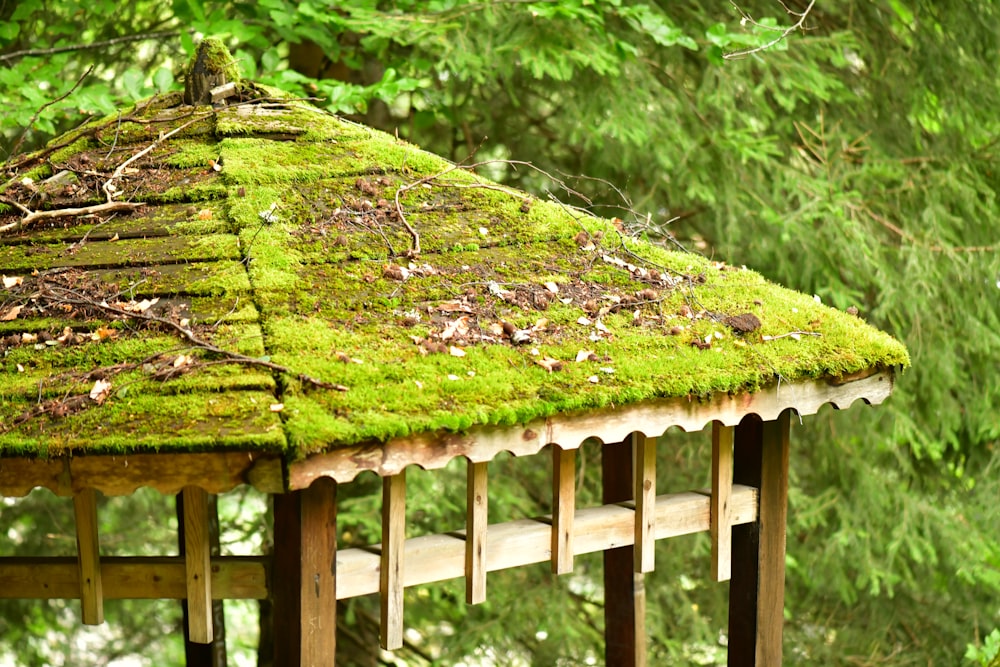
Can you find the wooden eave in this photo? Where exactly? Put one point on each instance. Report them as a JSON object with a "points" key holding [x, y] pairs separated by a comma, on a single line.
{"points": [[218, 472]]}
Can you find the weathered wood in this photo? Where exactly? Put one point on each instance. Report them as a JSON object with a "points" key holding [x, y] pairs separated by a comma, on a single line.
{"points": [[198, 564], [644, 454], [318, 584], [563, 508], [525, 541], [722, 489], [286, 579], [756, 592], [624, 627], [138, 577], [212, 654], [392, 559], [570, 429], [89, 557], [121, 475], [476, 525]]}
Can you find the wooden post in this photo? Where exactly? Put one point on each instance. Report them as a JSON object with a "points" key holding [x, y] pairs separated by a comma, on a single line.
{"points": [[304, 576], [214, 653], [476, 522], [89, 557], [757, 590], [645, 502], [721, 519], [624, 589], [198, 564], [563, 508], [391, 574]]}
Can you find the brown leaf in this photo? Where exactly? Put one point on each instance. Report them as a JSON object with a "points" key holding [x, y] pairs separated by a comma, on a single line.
{"points": [[585, 355], [14, 281], [11, 313], [549, 364], [395, 272], [99, 392], [742, 323]]}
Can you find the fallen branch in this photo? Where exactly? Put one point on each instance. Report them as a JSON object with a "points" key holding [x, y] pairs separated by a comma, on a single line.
{"points": [[35, 216], [71, 297]]}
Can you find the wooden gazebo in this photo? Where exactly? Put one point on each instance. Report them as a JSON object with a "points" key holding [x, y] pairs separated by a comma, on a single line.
{"points": [[236, 288]]}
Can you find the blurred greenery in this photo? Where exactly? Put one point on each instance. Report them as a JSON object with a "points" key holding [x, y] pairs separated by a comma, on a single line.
{"points": [[855, 160]]}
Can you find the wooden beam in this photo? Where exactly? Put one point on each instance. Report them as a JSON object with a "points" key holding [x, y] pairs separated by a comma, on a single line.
{"points": [[721, 528], [318, 584], [391, 570], [563, 508], [132, 577], [122, 474], [304, 579], [198, 563], [756, 592], [644, 454], [624, 590], [476, 525], [522, 542], [195, 654], [89, 557]]}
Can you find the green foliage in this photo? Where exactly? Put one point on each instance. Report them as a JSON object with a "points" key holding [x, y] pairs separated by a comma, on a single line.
{"points": [[856, 161]]}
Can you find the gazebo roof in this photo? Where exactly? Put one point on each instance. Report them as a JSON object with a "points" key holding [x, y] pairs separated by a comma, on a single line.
{"points": [[263, 276]]}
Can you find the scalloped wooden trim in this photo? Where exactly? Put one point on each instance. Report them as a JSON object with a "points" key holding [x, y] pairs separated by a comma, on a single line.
{"points": [[569, 430], [121, 475]]}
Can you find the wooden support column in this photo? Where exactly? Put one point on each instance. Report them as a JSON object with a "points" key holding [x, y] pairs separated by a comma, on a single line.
{"points": [[476, 522], [757, 590], [89, 557], [214, 653], [721, 521], [197, 563], [644, 454], [304, 576], [563, 508], [624, 589], [391, 573]]}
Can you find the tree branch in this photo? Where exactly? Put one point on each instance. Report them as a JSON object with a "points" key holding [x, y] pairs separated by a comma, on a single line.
{"points": [[746, 18], [91, 46]]}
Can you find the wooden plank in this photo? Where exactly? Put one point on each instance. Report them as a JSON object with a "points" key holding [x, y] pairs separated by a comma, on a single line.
{"points": [[563, 508], [569, 429], [121, 475], [286, 580], [624, 627], [318, 583], [197, 563], [476, 525], [644, 453], [89, 557], [195, 654], [721, 528], [756, 592], [392, 559], [522, 542], [132, 577]]}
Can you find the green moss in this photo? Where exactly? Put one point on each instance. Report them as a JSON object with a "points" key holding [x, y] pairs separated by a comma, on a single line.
{"points": [[309, 276]]}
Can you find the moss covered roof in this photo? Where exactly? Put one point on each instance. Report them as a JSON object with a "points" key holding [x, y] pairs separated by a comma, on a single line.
{"points": [[267, 294]]}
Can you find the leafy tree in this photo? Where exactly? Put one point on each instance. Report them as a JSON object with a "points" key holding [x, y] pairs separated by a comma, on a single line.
{"points": [[855, 159]]}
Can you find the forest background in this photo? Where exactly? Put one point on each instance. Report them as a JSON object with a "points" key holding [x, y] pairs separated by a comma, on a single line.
{"points": [[854, 157]]}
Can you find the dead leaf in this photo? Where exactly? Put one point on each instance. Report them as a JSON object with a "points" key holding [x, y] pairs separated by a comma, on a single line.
{"points": [[583, 321], [277, 407], [456, 351], [12, 281], [20, 368], [99, 392], [457, 328], [552, 287], [453, 307], [549, 364], [395, 272], [113, 238], [585, 355], [594, 379], [205, 214], [600, 327], [11, 313]]}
